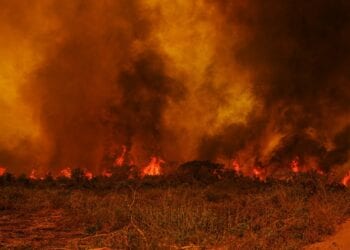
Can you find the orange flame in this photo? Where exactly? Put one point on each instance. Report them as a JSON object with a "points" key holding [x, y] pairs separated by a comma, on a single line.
{"points": [[121, 159], [295, 165], [346, 180], [88, 175], [236, 166], [2, 171], [67, 172], [106, 173], [33, 175], [153, 168], [259, 173]]}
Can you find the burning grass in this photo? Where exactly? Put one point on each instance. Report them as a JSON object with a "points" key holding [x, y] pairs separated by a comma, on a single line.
{"points": [[156, 212]]}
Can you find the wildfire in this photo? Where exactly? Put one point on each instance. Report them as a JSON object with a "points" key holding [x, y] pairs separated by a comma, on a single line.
{"points": [[2, 171], [67, 172], [295, 165], [121, 159], [153, 168], [346, 180]]}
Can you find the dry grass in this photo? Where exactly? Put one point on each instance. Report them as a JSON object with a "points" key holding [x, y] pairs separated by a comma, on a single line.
{"points": [[233, 213]]}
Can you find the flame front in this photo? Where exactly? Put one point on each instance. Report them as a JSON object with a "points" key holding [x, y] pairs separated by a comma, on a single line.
{"points": [[66, 172], [153, 168]]}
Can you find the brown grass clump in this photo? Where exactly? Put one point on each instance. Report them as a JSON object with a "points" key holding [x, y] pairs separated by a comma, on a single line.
{"points": [[233, 213]]}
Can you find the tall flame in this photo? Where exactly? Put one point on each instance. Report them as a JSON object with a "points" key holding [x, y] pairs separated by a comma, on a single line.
{"points": [[153, 168], [120, 161]]}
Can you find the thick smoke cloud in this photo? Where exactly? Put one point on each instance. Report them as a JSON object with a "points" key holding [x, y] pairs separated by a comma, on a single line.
{"points": [[102, 86], [263, 82], [299, 53]]}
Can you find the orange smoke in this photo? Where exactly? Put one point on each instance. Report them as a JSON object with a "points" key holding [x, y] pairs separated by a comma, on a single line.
{"points": [[209, 80]]}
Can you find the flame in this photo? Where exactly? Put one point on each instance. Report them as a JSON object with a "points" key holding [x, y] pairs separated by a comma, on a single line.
{"points": [[33, 175], [346, 180], [121, 159], [153, 168], [2, 171], [259, 174], [88, 175], [295, 165], [106, 173], [67, 172], [236, 166]]}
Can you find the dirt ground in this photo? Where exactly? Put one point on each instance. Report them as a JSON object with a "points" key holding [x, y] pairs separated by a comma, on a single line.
{"points": [[340, 240], [38, 230], [45, 230]]}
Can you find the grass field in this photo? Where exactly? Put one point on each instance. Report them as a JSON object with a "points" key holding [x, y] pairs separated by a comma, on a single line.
{"points": [[157, 213]]}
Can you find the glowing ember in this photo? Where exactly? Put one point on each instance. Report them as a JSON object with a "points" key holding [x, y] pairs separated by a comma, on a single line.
{"points": [[33, 175], [259, 173], [346, 180], [67, 172], [319, 171], [106, 173], [153, 168], [88, 175], [236, 166], [121, 159], [2, 171], [295, 165]]}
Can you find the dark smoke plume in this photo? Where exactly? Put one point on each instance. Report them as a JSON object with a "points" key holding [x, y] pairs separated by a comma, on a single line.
{"points": [[103, 84], [299, 53], [263, 82]]}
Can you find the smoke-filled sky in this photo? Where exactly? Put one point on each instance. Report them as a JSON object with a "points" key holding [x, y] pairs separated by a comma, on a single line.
{"points": [[258, 81]]}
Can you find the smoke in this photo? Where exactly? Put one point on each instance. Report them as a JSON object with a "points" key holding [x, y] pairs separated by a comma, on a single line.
{"points": [[262, 82], [298, 53]]}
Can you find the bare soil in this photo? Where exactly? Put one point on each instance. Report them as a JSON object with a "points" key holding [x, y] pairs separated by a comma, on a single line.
{"points": [[340, 240], [39, 230]]}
